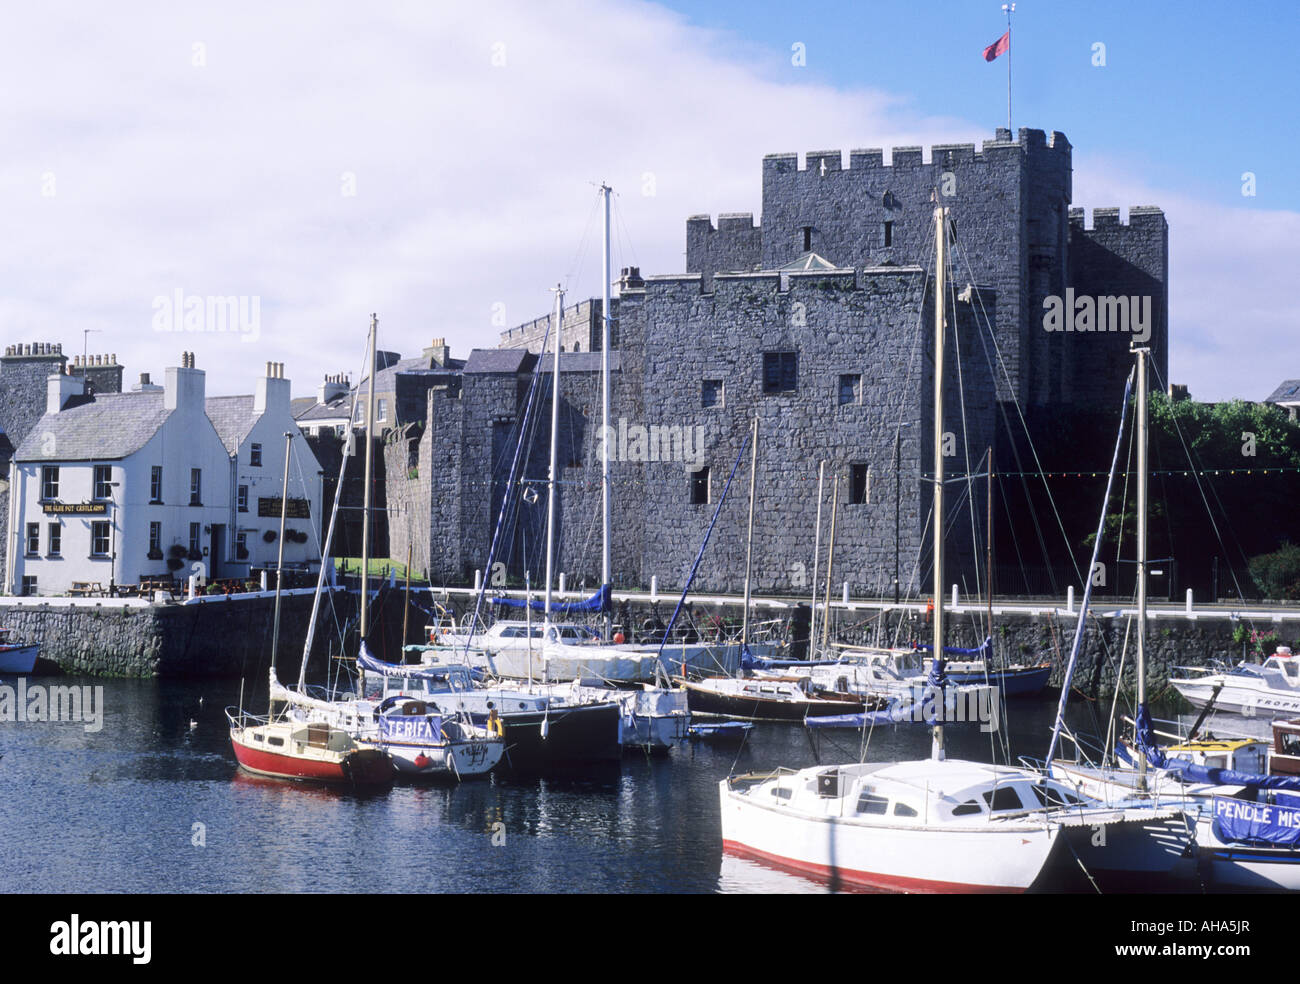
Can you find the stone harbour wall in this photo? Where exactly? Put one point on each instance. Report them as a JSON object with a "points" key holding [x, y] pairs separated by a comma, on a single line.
{"points": [[212, 638]]}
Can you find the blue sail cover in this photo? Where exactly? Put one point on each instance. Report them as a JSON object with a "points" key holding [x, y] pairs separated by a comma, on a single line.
{"points": [[1187, 771], [421, 730], [599, 602], [1256, 823], [928, 711]]}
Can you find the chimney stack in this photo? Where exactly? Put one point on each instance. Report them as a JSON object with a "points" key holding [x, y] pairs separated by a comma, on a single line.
{"points": [[183, 388]]}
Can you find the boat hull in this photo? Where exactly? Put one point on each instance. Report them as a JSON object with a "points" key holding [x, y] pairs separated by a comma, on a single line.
{"points": [[538, 740], [453, 760], [754, 708], [851, 853], [1018, 682], [365, 767], [1238, 699], [18, 659]]}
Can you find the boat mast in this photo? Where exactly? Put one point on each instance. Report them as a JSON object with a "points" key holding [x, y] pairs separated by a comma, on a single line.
{"points": [[830, 563], [555, 431], [604, 444], [817, 547], [326, 554], [365, 502], [988, 557], [940, 297], [1142, 543], [749, 539], [279, 562]]}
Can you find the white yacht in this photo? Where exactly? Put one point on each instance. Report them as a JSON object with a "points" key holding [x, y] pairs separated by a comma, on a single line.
{"points": [[930, 826], [1248, 689]]}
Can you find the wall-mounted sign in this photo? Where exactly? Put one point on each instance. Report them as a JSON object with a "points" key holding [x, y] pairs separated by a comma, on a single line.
{"points": [[74, 508], [298, 508]]}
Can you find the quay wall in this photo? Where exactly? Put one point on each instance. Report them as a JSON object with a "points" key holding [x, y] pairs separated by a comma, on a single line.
{"points": [[209, 638]]}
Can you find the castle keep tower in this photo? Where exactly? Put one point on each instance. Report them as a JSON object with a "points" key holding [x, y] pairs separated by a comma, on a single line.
{"points": [[1010, 206], [808, 320]]}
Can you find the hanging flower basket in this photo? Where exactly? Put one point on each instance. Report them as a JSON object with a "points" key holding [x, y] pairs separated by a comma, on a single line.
{"points": [[269, 536]]}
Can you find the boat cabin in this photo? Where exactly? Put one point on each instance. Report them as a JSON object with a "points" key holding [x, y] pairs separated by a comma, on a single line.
{"points": [[1285, 757]]}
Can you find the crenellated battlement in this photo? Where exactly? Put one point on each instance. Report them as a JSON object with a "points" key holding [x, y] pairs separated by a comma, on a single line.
{"points": [[794, 282], [1141, 217], [999, 149]]}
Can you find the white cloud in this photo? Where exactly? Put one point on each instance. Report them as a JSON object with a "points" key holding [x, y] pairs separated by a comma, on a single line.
{"points": [[1231, 323], [474, 182]]}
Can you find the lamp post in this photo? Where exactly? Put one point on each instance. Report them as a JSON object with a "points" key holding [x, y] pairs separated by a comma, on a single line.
{"points": [[112, 572]]}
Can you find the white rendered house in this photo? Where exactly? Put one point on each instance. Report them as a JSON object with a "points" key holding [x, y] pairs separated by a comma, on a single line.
{"points": [[118, 488]]}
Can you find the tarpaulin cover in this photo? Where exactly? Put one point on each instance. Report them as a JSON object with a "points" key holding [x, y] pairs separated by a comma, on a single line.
{"points": [[1256, 823], [1185, 770], [599, 602]]}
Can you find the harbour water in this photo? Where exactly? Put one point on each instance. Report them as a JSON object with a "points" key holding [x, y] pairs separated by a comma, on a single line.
{"points": [[154, 802]]}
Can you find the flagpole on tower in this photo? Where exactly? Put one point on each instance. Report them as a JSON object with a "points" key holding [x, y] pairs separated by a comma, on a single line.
{"points": [[1009, 9]]}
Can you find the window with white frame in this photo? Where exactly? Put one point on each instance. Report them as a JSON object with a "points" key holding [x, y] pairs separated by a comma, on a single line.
{"points": [[103, 482], [50, 482], [54, 540], [33, 539], [99, 539]]}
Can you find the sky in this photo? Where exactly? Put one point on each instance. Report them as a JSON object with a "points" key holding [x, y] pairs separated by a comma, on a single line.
{"points": [[438, 163]]}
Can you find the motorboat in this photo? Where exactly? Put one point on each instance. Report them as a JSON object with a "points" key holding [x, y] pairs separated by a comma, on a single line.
{"points": [[1271, 689]]}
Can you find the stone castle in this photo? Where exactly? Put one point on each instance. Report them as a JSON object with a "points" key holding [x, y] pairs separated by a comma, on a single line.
{"points": [[818, 322]]}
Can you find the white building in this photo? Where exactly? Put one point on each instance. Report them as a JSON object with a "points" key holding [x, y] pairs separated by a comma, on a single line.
{"points": [[124, 487]]}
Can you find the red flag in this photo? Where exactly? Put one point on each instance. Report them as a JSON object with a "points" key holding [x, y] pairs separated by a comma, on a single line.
{"points": [[998, 47]]}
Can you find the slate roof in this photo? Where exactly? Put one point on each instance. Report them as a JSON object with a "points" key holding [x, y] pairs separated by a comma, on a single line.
{"points": [[233, 418], [496, 360], [1288, 392], [340, 406], [521, 360], [114, 426]]}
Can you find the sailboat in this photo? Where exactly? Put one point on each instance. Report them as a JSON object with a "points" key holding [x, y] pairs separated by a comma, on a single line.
{"points": [[277, 745], [936, 825], [1247, 818], [569, 660], [419, 738]]}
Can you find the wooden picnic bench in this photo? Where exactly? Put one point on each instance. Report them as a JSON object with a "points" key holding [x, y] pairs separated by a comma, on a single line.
{"points": [[86, 589]]}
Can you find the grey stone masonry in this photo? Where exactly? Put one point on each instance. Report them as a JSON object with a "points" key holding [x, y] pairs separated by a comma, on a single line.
{"points": [[580, 329], [24, 371], [836, 364], [1009, 204]]}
